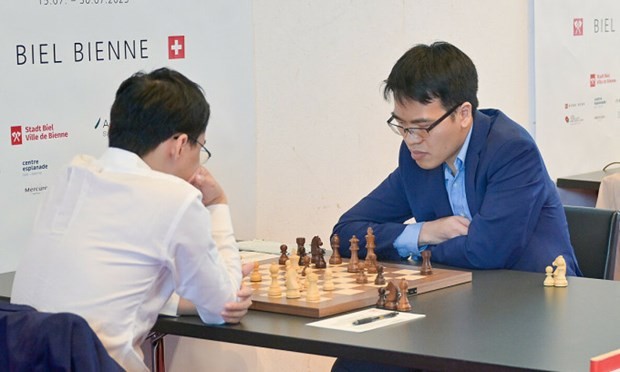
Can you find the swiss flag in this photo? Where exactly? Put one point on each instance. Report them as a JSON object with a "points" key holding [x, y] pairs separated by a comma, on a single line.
{"points": [[16, 135], [176, 47]]}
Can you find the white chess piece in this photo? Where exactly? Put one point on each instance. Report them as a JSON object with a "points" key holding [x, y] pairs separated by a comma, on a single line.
{"points": [[292, 286], [313, 294], [328, 280], [559, 275], [274, 288], [549, 282]]}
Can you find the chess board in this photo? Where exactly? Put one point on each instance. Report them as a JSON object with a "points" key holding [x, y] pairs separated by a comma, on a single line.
{"points": [[348, 295]]}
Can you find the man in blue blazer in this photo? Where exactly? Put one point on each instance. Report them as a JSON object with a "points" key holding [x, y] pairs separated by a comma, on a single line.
{"points": [[474, 180]]}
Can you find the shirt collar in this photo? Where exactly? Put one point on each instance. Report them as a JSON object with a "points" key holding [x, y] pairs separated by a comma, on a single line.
{"points": [[460, 157]]}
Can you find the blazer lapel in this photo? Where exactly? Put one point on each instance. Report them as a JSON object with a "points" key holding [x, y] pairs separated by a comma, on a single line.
{"points": [[480, 132]]}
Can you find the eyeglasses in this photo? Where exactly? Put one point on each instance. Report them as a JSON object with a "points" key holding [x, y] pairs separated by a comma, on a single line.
{"points": [[418, 131], [205, 154]]}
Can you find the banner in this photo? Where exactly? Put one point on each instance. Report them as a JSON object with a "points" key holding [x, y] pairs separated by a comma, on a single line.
{"points": [[62, 61], [577, 68]]}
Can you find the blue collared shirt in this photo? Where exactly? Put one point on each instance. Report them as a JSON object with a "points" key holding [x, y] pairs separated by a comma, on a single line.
{"points": [[407, 242]]}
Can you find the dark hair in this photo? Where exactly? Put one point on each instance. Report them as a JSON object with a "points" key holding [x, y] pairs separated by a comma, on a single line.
{"points": [[439, 70], [150, 108]]}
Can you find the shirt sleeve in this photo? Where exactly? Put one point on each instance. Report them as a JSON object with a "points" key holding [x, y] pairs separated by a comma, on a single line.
{"points": [[204, 259], [224, 237], [407, 242]]}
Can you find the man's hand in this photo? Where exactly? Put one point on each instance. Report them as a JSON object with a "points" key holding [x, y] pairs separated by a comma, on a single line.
{"points": [[438, 231], [212, 192], [234, 311]]}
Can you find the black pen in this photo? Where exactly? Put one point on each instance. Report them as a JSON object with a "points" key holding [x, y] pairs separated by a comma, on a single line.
{"points": [[375, 318]]}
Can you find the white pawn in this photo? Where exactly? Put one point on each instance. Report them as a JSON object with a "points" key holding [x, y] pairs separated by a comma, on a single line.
{"points": [[549, 277], [328, 280], [313, 294], [256, 276], [274, 289]]}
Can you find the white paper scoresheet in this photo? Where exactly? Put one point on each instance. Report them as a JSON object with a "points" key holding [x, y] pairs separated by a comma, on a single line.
{"points": [[345, 322]]}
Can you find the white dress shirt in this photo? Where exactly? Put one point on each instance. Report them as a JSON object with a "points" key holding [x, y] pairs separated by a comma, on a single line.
{"points": [[111, 242]]}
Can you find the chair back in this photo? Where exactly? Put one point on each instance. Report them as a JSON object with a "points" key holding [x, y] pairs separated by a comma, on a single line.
{"points": [[594, 236], [36, 341]]}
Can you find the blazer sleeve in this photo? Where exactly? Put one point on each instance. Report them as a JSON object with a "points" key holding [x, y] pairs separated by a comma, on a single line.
{"points": [[511, 184], [384, 209]]}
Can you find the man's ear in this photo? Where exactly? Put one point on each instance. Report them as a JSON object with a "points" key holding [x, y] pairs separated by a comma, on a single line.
{"points": [[178, 145], [465, 113]]}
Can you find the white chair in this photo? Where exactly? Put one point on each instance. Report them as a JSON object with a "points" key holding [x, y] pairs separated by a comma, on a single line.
{"points": [[609, 192]]}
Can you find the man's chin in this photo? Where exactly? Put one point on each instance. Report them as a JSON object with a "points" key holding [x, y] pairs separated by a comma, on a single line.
{"points": [[426, 164]]}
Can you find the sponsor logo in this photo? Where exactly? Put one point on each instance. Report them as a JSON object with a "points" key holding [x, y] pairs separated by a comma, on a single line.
{"points": [[34, 189], [176, 47], [574, 105], [573, 119], [599, 102], [40, 132], [104, 124], [81, 51], [603, 25], [578, 27], [601, 79], [33, 166], [16, 135]]}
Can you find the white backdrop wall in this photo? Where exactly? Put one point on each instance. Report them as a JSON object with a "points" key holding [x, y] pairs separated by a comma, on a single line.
{"points": [[322, 141], [577, 84], [52, 85]]}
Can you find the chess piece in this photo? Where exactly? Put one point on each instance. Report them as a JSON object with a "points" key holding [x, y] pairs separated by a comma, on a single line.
{"points": [[328, 280], [371, 257], [361, 276], [255, 277], [301, 250], [315, 248], [559, 275], [426, 268], [382, 297], [283, 255], [274, 288], [354, 262], [379, 279], [393, 295], [317, 253], [313, 294], [292, 286], [403, 302], [320, 264], [549, 282], [294, 259], [306, 265], [335, 259]]}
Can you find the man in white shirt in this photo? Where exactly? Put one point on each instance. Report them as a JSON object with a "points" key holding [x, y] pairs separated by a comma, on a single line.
{"points": [[116, 236]]}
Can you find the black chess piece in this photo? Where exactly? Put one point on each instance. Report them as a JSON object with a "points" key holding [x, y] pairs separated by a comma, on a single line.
{"points": [[382, 297], [379, 279], [283, 255], [335, 259], [320, 263], [301, 250]]}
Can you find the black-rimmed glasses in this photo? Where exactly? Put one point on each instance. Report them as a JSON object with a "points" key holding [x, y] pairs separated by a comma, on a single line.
{"points": [[418, 131], [205, 154]]}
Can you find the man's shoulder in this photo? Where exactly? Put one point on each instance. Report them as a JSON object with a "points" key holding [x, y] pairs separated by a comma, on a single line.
{"points": [[498, 129]]}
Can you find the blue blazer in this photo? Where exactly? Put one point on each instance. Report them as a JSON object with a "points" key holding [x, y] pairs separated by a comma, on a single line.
{"points": [[36, 341], [518, 221]]}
